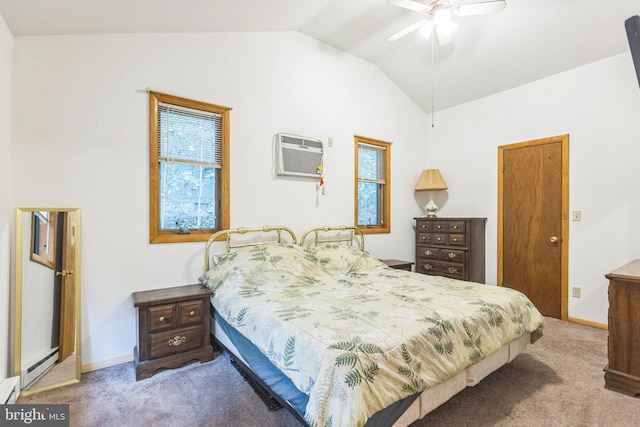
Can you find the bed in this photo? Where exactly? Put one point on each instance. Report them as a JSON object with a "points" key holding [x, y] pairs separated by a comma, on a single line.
{"points": [[340, 339]]}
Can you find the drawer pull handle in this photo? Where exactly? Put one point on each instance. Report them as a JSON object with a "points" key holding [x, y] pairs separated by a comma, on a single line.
{"points": [[439, 238], [453, 270], [451, 255], [192, 313], [428, 266], [455, 239], [428, 253], [423, 238], [161, 318], [455, 227], [176, 341]]}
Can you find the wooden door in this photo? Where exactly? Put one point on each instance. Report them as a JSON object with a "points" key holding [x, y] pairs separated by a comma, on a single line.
{"points": [[68, 306], [533, 221]]}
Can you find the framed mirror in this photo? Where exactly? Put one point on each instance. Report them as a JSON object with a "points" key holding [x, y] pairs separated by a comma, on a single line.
{"points": [[47, 350]]}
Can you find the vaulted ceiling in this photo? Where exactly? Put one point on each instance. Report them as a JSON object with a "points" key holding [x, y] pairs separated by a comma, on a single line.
{"points": [[527, 41]]}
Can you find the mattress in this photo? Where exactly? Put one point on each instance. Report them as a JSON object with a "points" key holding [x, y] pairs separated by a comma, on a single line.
{"points": [[355, 337], [400, 414]]}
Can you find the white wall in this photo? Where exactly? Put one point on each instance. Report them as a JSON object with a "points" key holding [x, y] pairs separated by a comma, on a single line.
{"points": [[598, 105], [6, 223], [80, 139]]}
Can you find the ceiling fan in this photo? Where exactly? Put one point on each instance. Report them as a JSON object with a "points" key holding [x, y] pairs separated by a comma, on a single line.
{"points": [[439, 16]]}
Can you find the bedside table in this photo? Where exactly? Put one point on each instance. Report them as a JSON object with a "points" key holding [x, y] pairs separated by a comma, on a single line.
{"points": [[398, 264], [172, 328]]}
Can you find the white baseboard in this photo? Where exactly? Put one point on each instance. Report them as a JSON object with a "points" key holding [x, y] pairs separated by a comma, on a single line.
{"points": [[9, 390], [107, 363]]}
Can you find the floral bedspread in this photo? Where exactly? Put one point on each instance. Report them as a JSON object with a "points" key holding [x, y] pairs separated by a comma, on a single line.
{"points": [[356, 335]]}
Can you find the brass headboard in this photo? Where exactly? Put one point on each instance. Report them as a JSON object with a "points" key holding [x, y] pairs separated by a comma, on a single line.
{"points": [[226, 234], [348, 236]]}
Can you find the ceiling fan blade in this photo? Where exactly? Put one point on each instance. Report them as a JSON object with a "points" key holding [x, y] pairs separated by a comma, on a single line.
{"points": [[409, 4], [407, 30], [481, 8]]}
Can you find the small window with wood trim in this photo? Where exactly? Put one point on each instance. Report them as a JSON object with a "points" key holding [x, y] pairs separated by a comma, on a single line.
{"points": [[189, 169], [373, 184]]}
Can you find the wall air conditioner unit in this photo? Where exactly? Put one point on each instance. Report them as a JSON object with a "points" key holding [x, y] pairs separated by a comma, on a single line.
{"points": [[298, 156]]}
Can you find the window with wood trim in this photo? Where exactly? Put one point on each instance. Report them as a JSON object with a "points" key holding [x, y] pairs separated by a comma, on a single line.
{"points": [[189, 169], [372, 185]]}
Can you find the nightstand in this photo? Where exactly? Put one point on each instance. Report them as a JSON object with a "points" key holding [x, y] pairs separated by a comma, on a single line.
{"points": [[398, 264], [172, 328]]}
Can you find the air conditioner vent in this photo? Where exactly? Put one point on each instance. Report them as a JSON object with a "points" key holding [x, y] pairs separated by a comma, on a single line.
{"points": [[298, 156]]}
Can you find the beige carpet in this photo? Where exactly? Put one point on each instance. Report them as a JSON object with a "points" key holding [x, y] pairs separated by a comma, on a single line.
{"points": [[558, 382]]}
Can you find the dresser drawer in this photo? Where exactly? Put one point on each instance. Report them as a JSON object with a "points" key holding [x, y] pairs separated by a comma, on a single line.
{"points": [[442, 254], [456, 227], [190, 312], [440, 227], [160, 317], [439, 239], [441, 268], [424, 226], [452, 255], [427, 252], [424, 238], [175, 341], [456, 240]]}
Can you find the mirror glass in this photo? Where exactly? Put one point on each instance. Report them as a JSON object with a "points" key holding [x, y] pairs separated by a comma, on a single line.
{"points": [[47, 323]]}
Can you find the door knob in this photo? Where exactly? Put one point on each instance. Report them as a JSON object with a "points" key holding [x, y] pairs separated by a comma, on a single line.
{"points": [[64, 273], [554, 239]]}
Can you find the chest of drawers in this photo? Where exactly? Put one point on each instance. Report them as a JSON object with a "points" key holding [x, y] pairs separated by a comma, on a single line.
{"points": [[451, 247], [172, 328], [622, 374]]}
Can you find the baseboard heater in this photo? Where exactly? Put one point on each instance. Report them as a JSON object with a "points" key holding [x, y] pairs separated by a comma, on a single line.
{"points": [[9, 390], [39, 368]]}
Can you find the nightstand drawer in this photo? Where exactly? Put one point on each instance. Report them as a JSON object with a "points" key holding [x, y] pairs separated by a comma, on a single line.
{"points": [[190, 312], [160, 317], [175, 341], [398, 264]]}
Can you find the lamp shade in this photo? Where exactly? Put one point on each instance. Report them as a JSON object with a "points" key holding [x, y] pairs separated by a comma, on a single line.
{"points": [[430, 179]]}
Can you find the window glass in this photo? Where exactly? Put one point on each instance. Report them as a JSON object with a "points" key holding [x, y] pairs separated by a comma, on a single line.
{"points": [[372, 185], [189, 169]]}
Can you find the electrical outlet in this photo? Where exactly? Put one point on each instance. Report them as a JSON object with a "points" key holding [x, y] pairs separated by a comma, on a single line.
{"points": [[575, 292], [576, 215]]}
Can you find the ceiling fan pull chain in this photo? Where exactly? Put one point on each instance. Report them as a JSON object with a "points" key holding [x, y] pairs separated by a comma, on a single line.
{"points": [[433, 78]]}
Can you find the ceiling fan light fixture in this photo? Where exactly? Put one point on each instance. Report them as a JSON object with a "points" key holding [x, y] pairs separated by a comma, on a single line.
{"points": [[440, 15], [442, 19]]}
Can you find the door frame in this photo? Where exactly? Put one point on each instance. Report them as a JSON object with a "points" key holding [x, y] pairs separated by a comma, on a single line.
{"points": [[564, 239]]}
